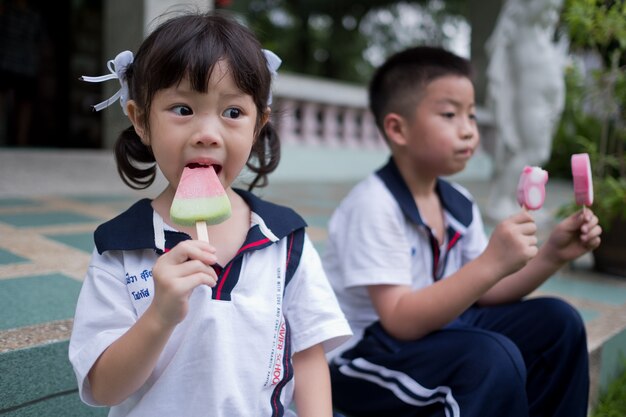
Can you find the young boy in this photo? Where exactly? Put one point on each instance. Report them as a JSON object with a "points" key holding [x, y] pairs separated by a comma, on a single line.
{"points": [[440, 327]]}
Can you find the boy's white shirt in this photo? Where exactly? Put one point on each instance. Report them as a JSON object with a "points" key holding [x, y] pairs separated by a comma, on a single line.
{"points": [[372, 242]]}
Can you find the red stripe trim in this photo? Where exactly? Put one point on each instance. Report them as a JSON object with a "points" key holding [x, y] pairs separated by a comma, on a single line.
{"points": [[454, 239], [253, 244], [289, 250], [218, 294], [286, 373], [220, 286]]}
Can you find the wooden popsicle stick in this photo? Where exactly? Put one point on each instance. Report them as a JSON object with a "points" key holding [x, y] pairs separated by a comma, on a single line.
{"points": [[201, 230]]}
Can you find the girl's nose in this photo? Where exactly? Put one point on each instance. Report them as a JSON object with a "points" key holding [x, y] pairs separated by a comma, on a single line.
{"points": [[206, 133]]}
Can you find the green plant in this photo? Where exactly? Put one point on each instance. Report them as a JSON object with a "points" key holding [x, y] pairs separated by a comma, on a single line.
{"points": [[593, 118], [612, 403]]}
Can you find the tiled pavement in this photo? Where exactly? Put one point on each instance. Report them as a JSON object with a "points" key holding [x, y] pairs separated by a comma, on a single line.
{"points": [[46, 240]]}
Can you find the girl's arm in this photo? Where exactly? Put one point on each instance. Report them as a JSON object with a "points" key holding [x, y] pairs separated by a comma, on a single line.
{"points": [[126, 365], [312, 378], [573, 237]]}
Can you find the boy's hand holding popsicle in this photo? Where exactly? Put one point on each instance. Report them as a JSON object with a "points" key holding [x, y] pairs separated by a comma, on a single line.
{"points": [[571, 238], [513, 242], [580, 232], [577, 234]]}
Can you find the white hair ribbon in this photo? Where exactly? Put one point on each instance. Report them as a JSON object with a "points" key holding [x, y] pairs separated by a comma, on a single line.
{"points": [[273, 63], [118, 68]]}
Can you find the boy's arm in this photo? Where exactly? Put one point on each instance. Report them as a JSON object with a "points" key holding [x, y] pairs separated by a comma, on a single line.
{"points": [[410, 314], [312, 378], [571, 238]]}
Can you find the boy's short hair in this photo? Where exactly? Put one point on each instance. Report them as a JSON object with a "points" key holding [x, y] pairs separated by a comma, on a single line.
{"points": [[397, 85]]}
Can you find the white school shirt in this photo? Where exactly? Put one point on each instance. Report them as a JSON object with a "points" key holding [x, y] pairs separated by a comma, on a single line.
{"points": [[231, 355], [376, 236]]}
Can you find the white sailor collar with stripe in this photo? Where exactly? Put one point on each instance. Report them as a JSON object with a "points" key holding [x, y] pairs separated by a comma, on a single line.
{"points": [[137, 228], [456, 204], [458, 210]]}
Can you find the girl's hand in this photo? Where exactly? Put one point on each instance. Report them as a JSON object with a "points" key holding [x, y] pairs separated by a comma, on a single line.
{"points": [[512, 244], [176, 274], [574, 236]]}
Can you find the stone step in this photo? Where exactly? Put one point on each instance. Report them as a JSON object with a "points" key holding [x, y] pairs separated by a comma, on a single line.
{"points": [[51, 201]]}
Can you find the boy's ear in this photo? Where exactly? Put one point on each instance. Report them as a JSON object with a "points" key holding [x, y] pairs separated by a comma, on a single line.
{"points": [[394, 126], [137, 119]]}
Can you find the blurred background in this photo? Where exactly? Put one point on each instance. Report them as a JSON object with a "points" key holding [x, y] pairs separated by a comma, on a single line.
{"points": [[58, 179], [45, 46]]}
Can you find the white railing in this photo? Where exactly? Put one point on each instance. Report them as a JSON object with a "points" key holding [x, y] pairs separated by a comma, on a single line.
{"points": [[317, 112]]}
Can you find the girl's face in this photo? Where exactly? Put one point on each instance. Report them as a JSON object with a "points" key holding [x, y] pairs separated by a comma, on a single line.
{"points": [[214, 128], [442, 133]]}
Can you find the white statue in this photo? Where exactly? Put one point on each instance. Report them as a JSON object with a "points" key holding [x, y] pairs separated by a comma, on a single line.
{"points": [[525, 93]]}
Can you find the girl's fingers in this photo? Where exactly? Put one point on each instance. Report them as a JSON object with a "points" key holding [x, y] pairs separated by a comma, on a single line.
{"points": [[185, 284], [192, 249], [193, 266], [201, 253], [198, 279]]}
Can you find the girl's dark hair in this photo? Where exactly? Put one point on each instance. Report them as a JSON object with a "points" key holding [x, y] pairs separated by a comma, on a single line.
{"points": [[189, 45], [398, 84]]}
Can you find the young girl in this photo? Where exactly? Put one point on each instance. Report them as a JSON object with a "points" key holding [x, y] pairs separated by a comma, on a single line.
{"points": [[172, 326]]}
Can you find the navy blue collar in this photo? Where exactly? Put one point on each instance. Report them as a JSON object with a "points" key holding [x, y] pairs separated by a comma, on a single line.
{"points": [[134, 228], [453, 201]]}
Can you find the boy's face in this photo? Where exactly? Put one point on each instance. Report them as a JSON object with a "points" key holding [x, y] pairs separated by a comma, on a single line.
{"points": [[442, 134]]}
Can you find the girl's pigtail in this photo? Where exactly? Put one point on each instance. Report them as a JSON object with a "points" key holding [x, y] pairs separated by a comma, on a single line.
{"points": [[131, 154], [266, 150]]}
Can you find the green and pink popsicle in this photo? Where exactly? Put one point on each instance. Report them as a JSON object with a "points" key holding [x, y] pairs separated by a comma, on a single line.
{"points": [[200, 200]]}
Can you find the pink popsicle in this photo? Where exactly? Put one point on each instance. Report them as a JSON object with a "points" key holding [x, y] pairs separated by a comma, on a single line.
{"points": [[531, 189], [583, 183], [200, 199]]}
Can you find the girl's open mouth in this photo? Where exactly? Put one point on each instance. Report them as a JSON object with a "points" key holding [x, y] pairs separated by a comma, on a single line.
{"points": [[195, 165]]}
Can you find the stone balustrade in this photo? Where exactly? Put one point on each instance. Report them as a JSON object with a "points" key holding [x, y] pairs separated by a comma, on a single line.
{"points": [[317, 112], [321, 112]]}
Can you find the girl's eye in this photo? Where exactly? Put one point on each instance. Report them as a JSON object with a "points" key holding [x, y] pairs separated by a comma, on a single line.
{"points": [[472, 116], [232, 113], [182, 110], [448, 115]]}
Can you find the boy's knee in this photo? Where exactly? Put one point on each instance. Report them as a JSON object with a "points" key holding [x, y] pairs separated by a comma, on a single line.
{"points": [[496, 360], [500, 382], [565, 311], [559, 318]]}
